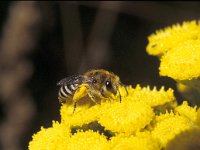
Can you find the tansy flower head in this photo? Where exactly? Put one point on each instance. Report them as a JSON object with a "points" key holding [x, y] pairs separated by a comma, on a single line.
{"points": [[88, 140], [83, 114], [140, 141], [168, 125], [178, 48], [182, 62], [165, 40], [187, 111], [152, 97], [52, 138], [126, 117]]}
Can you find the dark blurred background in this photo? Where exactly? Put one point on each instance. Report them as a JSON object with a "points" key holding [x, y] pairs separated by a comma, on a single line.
{"points": [[43, 42]]}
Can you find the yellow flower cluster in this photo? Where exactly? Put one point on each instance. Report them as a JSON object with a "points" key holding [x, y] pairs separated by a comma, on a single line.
{"points": [[178, 48], [135, 123], [145, 119]]}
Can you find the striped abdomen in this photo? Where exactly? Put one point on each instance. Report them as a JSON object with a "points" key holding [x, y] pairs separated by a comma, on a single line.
{"points": [[67, 91]]}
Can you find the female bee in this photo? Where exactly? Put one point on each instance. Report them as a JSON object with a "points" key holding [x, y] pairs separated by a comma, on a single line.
{"points": [[98, 84]]}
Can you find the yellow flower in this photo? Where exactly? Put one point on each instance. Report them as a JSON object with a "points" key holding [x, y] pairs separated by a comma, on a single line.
{"points": [[178, 48], [182, 62], [83, 115], [165, 40], [141, 141], [88, 140], [126, 117], [152, 97], [52, 138], [168, 125], [187, 111]]}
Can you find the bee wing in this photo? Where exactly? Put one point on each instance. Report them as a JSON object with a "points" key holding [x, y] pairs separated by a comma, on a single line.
{"points": [[75, 79]]}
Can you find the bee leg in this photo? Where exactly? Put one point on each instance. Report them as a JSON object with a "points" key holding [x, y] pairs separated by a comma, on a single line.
{"points": [[92, 97], [74, 107], [120, 97]]}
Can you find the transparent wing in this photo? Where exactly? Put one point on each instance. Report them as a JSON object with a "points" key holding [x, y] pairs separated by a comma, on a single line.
{"points": [[75, 79]]}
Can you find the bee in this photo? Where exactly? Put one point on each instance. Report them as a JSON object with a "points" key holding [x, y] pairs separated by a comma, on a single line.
{"points": [[98, 84]]}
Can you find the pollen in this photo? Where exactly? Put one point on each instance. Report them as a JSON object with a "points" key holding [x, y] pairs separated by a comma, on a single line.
{"points": [[80, 92]]}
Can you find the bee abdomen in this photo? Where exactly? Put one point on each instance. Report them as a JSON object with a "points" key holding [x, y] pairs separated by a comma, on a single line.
{"points": [[67, 91]]}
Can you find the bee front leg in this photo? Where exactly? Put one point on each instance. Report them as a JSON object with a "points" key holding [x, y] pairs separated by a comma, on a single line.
{"points": [[120, 97], [92, 97]]}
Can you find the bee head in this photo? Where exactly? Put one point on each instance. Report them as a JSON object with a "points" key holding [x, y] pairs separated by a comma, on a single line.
{"points": [[103, 81]]}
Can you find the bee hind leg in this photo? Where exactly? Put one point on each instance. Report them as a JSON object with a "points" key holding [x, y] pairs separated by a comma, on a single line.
{"points": [[74, 107]]}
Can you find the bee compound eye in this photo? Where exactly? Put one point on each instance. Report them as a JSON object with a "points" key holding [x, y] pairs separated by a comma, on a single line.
{"points": [[108, 85]]}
